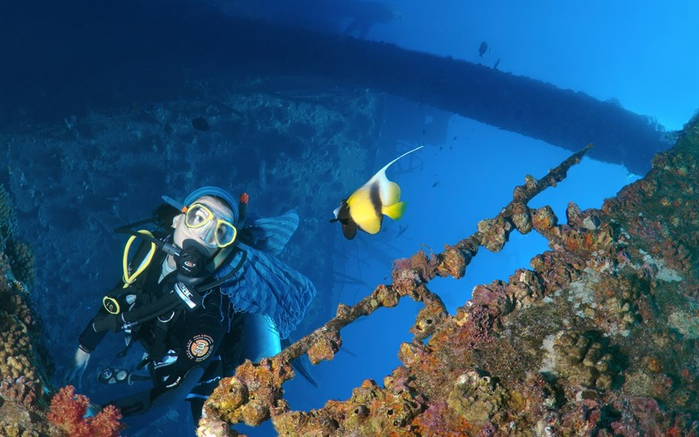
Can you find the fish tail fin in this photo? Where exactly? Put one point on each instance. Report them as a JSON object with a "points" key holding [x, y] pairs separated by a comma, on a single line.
{"points": [[394, 211]]}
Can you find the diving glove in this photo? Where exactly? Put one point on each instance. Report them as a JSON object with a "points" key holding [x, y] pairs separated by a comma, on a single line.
{"points": [[76, 368]]}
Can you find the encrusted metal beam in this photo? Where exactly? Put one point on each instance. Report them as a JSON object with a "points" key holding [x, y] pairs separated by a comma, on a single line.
{"points": [[254, 394]]}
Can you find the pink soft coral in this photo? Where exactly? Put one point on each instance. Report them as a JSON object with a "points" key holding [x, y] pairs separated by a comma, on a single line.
{"points": [[67, 413]]}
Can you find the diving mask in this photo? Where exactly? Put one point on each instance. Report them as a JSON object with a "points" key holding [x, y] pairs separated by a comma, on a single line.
{"points": [[210, 229]]}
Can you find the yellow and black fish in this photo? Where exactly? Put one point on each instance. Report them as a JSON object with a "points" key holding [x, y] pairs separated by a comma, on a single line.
{"points": [[365, 208]]}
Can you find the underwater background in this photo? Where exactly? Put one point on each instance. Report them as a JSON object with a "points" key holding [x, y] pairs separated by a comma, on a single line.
{"points": [[104, 107]]}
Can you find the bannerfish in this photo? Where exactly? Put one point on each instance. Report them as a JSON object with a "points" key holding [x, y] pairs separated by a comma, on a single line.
{"points": [[365, 208]]}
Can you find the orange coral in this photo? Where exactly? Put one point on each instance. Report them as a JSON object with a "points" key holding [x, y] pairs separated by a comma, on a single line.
{"points": [[68, 410]]}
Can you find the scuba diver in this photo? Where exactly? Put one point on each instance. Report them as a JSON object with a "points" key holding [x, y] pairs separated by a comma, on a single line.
{"points": [[202, 293]]}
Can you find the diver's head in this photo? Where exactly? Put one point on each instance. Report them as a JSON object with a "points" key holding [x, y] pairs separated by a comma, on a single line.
{"points": [[208, 218]]}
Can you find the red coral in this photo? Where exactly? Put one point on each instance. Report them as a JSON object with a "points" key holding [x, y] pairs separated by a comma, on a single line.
{"points": [[68, 410], [106, 422]]}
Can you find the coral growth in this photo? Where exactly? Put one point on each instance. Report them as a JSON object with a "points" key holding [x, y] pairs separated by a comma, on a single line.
{"points": [[21, 410], [21, 261], [18, 356], [8, 220], [421, 263], [476, 397], [22, 363], [592, 340], [67, 414]]}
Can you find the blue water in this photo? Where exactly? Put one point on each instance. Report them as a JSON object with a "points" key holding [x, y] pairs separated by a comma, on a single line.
{"points": [[641, 55]]}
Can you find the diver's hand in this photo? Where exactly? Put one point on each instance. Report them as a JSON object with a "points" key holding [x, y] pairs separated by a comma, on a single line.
{"points": [[77, 367]]}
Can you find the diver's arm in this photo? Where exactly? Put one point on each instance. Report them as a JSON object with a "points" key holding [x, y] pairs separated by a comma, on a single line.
{"points": [[87, 342], [97, 328], [91, 337], [76, 368]]}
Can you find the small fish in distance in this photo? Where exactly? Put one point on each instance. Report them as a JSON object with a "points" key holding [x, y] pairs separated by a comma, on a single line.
{"points": [[482, 49], [200, 123]]}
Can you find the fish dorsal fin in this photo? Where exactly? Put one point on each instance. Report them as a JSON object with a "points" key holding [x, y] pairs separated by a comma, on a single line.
{"points": [[389, 191], [385, 167]]}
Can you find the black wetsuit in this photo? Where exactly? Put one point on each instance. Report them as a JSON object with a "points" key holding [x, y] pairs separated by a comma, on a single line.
{"points": [[182, 345]]}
